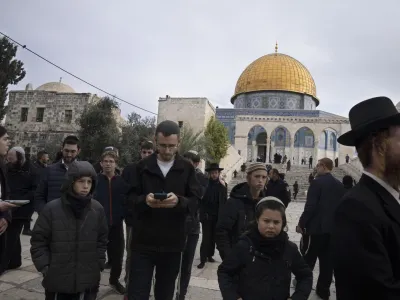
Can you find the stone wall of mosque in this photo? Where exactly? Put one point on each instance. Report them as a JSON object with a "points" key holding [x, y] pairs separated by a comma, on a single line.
{"points": [[275, 100], [193, 112], [282, 135], [37, 118]]}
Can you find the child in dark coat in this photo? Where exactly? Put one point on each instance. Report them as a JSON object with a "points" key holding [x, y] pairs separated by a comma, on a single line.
{"points": [[69, 240], [260, 265]]}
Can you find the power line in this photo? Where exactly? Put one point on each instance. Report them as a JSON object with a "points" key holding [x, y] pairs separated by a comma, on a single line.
{"points": [[75, 76]]}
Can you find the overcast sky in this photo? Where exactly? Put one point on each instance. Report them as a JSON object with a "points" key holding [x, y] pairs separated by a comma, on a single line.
{"points": [[141, 50]]}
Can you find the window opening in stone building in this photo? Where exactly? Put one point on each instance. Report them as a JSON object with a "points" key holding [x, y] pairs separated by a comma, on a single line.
{"points": [[68, 116], [24, 114], [39, 114], [180, 123]]}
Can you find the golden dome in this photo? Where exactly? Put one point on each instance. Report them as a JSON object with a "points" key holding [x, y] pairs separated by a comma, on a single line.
{"points": [[276, 72]]}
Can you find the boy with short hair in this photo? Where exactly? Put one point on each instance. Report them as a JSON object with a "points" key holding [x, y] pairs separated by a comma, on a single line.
{"points": [[111, 191], [69, 239]]}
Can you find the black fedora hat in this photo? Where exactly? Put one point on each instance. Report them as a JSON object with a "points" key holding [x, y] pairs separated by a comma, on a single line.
{"points": [[369, 116], [213, 166]]}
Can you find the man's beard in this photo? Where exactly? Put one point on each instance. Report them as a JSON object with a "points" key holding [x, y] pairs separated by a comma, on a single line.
{"points": [[391, 171]]}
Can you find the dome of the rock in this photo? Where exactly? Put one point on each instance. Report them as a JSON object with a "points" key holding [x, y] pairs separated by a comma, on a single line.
{"points": [[276, 72]]}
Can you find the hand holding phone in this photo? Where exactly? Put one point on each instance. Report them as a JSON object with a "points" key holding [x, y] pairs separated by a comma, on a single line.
{"points": [[160, 196]]}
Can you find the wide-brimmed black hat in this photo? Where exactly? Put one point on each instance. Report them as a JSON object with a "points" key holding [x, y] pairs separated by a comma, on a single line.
{"points": [[369, 116], [214, 166]]}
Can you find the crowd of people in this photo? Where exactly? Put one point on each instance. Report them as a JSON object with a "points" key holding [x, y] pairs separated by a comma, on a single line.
{"points": [[164, 199]]}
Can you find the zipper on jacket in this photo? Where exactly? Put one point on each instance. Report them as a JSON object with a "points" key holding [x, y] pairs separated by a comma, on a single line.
{"points": [[76, 253], [110, 199]]}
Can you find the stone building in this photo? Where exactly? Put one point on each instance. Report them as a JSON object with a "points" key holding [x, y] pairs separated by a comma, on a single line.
{"points": [[274, 111], [194, 112], [41, 118]]}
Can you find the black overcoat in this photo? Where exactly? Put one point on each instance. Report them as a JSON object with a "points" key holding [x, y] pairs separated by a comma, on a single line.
{"points": [[366, 243]]}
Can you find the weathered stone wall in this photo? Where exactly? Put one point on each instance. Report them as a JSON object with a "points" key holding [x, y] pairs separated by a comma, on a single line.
{"points": [[37, 135], [193, 112]]}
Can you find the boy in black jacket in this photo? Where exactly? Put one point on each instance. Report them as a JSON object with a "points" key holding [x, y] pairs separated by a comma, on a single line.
{"points": [[69, 239], [111, 192]]}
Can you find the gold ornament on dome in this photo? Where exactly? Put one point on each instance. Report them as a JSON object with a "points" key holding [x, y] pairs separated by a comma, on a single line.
{"points": [[276, 72]]}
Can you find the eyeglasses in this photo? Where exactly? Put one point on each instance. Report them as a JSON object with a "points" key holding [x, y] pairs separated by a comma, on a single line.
{"points": [[164, 146]]}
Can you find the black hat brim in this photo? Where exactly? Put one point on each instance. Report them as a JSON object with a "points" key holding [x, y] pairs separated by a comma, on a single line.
{"points": [[351, 137], [213, 169]]}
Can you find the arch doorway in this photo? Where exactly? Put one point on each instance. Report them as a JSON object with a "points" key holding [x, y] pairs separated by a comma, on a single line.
{"points": [[280, 143], [328, 144], [304, 140], [257, 144]]}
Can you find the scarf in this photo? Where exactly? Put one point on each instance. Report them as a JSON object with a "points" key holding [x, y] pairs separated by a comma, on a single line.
{"points": [[272, 247], [77, 203]]}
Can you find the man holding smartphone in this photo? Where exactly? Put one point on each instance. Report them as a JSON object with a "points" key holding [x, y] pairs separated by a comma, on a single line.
{"points": [[164, 192]]}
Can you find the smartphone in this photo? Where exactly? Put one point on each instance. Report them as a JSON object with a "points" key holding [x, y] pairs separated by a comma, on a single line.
{"points": [[18, 202], [160, 196]]}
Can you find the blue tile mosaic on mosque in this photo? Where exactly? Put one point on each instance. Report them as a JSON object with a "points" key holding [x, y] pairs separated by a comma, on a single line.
{"points": [[327, 140]]}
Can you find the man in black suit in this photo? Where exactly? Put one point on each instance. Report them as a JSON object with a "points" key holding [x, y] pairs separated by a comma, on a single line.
{"points": [[323, 197], [366, 239]]}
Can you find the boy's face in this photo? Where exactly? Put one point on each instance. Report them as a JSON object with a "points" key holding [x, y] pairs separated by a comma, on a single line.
{"points": [[82, 186], [108, 164]]}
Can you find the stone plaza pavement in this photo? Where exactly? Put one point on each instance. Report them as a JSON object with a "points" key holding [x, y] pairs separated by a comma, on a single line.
{"points": [[25, 283]]}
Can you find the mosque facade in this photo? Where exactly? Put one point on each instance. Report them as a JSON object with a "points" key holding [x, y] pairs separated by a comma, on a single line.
{"points": [[40, 118], [274, 111]]}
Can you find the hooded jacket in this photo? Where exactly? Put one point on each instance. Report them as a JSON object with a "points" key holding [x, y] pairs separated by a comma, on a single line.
{"points": [[235, 217], [69, 239], [260, 269]]}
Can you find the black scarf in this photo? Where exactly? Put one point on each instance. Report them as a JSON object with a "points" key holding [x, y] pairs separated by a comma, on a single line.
{"points": [[272, 247], [77, 203]]}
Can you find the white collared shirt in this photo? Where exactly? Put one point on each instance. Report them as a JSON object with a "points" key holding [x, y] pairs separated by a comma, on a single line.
{"points": [[65, 165], [386, 186]]}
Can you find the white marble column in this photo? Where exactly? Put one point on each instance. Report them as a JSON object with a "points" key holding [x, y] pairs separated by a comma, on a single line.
{"points": [[315, 156], [267, 152], [254, 151]]}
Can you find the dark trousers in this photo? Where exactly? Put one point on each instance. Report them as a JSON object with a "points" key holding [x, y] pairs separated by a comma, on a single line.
{"points": [[3, 256], [13, 257], [115, 250], [141, 274], [207, 247], [320, 247], [310, 165], [187, 262], [89, 295], [295, 195]]}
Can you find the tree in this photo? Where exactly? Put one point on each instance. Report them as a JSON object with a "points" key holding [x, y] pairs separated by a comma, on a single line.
{"points": [[191, 140], [217, 140], [98, 128], [134, 132], [11, 71]]}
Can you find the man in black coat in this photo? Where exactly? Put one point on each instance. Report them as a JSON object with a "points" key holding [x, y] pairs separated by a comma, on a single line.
{"points": [[323, 197], [49, 187], [366, 239], [165, 191], [129, 174], [214, 199], [278, 188]]}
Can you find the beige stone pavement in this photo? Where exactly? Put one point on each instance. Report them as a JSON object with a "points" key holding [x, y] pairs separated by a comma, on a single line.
{"points": [[25, 283]]}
